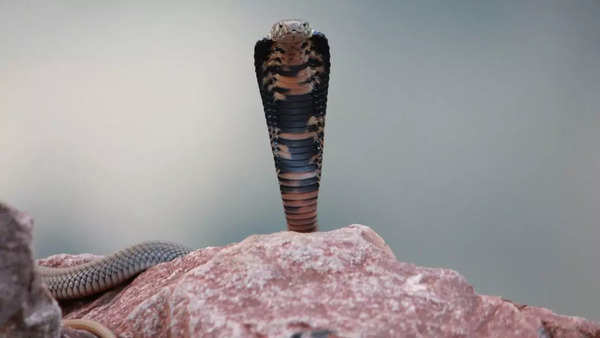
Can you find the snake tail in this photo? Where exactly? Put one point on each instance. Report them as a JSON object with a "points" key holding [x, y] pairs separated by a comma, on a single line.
{"points": [[91, 326], [292, 69], [102, 274]]}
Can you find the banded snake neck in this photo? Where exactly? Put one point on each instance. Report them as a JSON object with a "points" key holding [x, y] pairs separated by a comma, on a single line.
{"points": [[292, 69]]}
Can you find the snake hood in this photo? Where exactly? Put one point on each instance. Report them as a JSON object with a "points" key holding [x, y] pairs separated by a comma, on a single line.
{"points": [[292, 69]]}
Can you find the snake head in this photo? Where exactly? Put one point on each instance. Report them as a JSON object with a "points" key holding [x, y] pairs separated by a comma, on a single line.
{"points": [[290, 30]]}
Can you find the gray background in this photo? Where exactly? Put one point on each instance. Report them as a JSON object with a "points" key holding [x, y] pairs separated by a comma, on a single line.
{"points": [[465, 132]]}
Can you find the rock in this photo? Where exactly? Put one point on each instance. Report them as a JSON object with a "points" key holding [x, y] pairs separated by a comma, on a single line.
{"points": [[26, 308], [342, 283]]}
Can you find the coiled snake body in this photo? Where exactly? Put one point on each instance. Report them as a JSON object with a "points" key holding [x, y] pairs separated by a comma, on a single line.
{"points": [[292, 68]]}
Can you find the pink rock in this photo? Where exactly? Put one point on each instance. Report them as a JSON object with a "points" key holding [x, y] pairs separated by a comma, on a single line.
{"points": [[347, 281]]}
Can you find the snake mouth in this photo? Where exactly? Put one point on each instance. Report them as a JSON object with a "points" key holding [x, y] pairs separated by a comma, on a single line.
{"points": [[292, 37]]}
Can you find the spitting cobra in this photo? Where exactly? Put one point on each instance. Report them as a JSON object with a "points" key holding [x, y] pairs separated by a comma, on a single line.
{"points": [[292, 67]]}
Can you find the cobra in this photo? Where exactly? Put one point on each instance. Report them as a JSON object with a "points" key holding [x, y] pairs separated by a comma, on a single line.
{"points": [[292, 67]]}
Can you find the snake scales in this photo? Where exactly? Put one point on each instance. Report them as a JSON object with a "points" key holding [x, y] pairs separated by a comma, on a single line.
{"points": [[292, 67]]}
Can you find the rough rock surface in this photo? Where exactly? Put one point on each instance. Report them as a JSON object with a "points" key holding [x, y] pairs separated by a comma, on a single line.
{"points": [[276, 285], [26, 308]]}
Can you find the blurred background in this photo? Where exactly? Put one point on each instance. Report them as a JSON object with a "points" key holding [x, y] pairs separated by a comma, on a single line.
{"points": [[465, 133]]}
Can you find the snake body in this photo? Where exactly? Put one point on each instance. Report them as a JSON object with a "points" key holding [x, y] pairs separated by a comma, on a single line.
{"points": [[105, 273], [292, 68]]}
